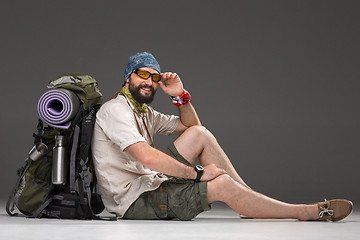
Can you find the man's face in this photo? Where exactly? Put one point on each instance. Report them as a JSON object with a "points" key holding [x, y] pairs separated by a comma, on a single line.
{"points": [[143, 90]]}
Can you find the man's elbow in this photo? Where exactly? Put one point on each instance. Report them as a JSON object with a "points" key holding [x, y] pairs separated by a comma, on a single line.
{"points": [[146, 160], [191, 124]]}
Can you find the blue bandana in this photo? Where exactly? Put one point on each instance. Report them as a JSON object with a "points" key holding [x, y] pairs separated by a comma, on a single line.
{"points": [[140, 60]]}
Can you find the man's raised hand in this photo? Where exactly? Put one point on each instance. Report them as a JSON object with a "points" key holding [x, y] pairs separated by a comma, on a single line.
{"points": [[172, 85]]}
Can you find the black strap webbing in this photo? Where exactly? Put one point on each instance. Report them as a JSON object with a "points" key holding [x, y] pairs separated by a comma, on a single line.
{"points": [[87, 179], [87, 127], [38, 136], [73, 158], [41, 208], [10, 204]]}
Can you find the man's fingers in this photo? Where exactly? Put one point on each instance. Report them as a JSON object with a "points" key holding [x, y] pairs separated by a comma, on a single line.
{"points": [[165, 75], [162, 85], [169, 75]]}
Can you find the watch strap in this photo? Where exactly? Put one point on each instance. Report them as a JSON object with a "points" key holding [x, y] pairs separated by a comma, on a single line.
{"points": [[199, 174]]}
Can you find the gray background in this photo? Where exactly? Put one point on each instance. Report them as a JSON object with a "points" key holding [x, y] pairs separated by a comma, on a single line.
{"points": [[276, 81]]}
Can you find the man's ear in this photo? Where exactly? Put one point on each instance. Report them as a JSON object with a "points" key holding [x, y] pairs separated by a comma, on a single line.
{"points": [[126, 83]]}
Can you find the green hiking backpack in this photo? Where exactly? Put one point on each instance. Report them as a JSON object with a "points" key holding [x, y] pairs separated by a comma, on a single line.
{"points": [[35, 193]]}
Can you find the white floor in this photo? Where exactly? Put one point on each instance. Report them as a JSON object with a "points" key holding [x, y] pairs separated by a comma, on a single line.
{"points": [[219, 223]]}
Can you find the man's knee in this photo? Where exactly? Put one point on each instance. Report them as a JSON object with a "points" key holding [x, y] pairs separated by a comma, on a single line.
{"points": [[199, 132], [219, 187], [193, 141], [223, 180]]}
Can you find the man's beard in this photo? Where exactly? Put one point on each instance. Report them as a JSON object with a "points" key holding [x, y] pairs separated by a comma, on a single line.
{"points": [[135, 92]]}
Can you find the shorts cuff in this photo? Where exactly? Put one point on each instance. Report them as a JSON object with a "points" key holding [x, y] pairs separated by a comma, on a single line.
{"points": [[203, 196], [173, 152]]}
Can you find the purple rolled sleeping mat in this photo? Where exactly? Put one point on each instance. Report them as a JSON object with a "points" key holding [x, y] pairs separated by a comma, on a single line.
{"points": [[58, 107]]}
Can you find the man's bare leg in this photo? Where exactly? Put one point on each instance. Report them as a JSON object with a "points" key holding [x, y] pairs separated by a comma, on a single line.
{"points": [[198, 142], [252, 204]]}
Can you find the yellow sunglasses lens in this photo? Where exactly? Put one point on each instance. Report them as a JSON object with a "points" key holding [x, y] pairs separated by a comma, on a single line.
{"points": [[143, 74], [156, 77]]}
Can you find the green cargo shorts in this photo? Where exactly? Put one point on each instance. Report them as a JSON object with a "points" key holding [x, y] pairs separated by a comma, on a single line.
{"points": [[176, 198]]}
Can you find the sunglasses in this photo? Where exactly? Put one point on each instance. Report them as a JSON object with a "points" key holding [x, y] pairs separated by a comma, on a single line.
{"points": [[155, 77]]}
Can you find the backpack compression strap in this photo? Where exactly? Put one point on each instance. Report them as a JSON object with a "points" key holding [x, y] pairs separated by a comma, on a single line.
{"points": [[10, 204]]}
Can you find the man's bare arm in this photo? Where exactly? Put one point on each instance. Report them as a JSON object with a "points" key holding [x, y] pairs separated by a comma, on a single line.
{"points": [[173, 86], [188, 118], [161, 162]]}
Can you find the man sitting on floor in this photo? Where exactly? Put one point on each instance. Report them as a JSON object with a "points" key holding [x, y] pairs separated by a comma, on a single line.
{"points": [[138, 181]]}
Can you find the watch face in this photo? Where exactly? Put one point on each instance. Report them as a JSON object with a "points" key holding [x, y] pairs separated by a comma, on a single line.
{"points": [[199, 168]]}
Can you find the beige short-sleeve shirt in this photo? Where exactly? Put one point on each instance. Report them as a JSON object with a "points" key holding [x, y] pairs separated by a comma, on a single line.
{"points": [[121, 178]]}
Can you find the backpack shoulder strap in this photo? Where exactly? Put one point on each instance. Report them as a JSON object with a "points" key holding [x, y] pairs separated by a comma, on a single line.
{"points": [[72, 168], [84, 155]]}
